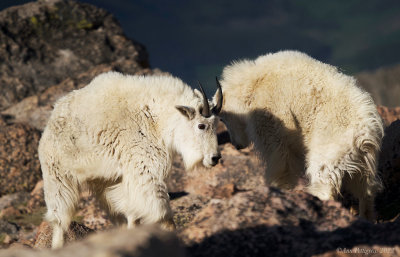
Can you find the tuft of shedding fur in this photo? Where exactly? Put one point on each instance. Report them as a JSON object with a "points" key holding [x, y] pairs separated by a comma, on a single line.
{"points": [[117, 136], [304, 116]]}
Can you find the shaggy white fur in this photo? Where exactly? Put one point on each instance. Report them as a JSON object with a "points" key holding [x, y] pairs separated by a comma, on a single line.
{"points": [[117, 136], [305, 116]]}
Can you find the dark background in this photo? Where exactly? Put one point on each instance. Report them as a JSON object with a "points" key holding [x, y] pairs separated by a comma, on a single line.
{"points": [[194, 40]]}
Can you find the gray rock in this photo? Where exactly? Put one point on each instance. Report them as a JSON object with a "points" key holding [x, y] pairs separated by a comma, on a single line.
{"points": [[44, 42], [13, 199], [8, 227]]}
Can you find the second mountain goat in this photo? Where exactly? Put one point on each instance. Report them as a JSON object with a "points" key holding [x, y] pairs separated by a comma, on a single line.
{"points": [[304, 116]]}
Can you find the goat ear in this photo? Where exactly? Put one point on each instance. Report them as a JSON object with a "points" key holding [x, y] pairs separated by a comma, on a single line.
{"points": [[198, 93], [188, 112]]}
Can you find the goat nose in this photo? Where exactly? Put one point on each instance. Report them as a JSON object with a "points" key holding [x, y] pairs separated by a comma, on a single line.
{"points": [[215, 159]]}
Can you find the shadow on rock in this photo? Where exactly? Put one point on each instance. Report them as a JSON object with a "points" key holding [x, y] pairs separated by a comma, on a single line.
{"points": [[176, 195], [302, 240]]}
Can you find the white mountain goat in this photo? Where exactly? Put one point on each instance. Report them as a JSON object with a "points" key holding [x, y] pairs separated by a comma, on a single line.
{"points": [[305, 116], [117, 136]]}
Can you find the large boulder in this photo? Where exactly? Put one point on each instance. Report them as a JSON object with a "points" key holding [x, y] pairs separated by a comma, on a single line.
{"points": [[268, 222], [144, 241], [44, 42], [265, 206]]}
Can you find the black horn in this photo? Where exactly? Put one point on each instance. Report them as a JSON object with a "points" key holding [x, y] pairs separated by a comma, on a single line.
{"points": [[206, 108], [217, 108]]}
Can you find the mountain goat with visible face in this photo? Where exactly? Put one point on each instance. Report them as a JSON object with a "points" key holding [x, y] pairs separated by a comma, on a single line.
{"points": [[117, 136], [305, 116]]}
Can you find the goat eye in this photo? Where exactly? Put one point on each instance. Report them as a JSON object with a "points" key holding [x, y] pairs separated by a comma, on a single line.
{"points": [[201, 126]]}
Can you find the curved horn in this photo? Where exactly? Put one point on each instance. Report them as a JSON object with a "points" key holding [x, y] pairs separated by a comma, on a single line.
{"points": [[216, 109], [206, 108]]}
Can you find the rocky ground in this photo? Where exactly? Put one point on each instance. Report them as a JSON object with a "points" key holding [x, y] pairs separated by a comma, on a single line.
{"points": [[224, 211]]}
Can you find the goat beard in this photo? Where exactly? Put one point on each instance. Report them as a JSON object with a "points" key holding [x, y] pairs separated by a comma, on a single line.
{"points": [[196, 164]]}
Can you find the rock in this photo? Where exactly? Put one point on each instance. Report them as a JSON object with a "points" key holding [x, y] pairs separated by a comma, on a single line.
{"points": [[44, 235], [9, 233], [185, 207], [8, 227], [143, 241], [3, 120], [17, 245], [26, 238], [19, 163], [190, 191], [269, 222], [225, 191], [36, 197], [237, 170], [178, 176], [7, 239], [25, 210], [68, 36], [29, 111], [10, 211], [387, 202], [38, 189], [91, 215], [16, 209], [265, 206], [389, 115], [12, 200]]}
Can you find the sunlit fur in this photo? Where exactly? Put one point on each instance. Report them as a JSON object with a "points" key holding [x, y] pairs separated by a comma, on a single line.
{"points": [[117, 136], [305, 116]]}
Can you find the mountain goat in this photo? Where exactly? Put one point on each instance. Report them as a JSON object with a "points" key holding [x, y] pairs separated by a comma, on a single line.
{"points": [[305, 116], [117, 136]]}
